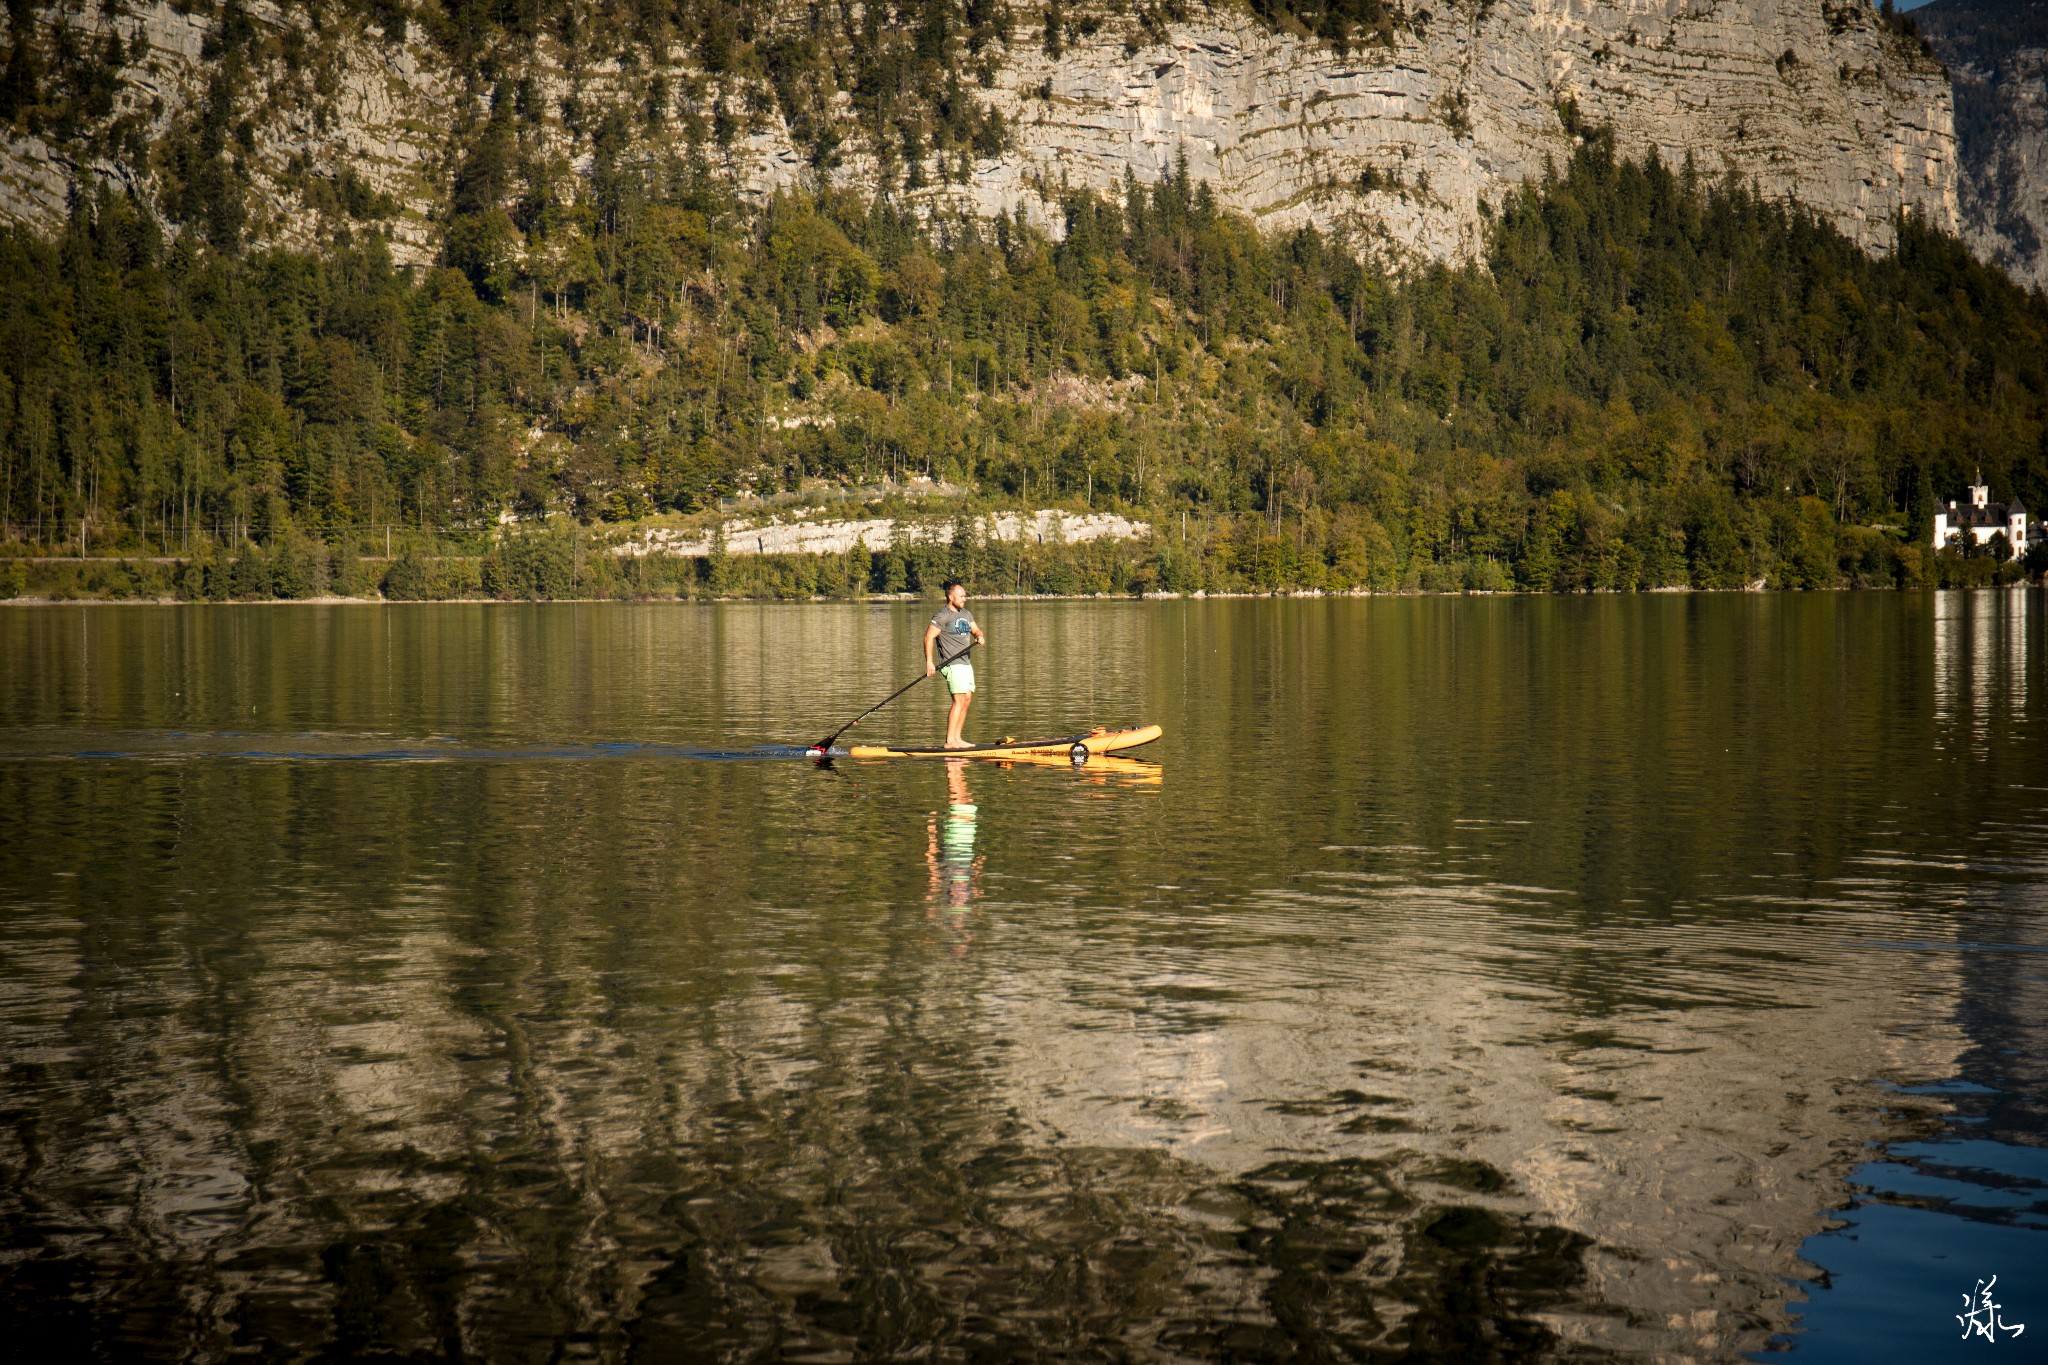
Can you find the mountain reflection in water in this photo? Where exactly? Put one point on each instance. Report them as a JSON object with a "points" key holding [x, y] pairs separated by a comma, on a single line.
{"points": [[1489, 978]]}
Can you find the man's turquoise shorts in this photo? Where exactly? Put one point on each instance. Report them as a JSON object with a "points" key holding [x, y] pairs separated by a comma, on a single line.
{"points": [[959, 677]]}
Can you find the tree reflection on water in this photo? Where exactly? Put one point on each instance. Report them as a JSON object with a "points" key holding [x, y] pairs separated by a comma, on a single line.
{"points": [[1470, 980]]}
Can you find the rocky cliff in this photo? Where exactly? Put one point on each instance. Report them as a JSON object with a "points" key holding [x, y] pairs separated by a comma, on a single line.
{"points": [[270, 123], [1417, 139], [1997, 51]]}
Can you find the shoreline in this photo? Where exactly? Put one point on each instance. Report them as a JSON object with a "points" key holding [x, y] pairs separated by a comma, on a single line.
{"points": [[900, 599]]}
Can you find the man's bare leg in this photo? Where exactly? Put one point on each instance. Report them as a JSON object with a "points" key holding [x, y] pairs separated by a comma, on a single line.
{"points": [[956, 718]]}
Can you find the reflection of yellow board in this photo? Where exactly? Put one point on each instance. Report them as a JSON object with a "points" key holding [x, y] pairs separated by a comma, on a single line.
{"points": [[1097, 768], [1096, 741]]}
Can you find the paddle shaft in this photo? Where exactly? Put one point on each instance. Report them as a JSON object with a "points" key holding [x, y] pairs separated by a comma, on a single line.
{"points": [[826, 742]]}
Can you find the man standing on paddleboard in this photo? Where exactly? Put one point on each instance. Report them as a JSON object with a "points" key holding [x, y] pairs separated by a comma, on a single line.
{"points": [[954, 633]]}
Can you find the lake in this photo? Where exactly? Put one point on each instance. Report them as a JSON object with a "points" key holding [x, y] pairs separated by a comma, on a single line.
{"points": [[1504, 978]]}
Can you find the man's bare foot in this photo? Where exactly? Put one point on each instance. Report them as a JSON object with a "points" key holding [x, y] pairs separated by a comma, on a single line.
{"points": [[959, 744]]}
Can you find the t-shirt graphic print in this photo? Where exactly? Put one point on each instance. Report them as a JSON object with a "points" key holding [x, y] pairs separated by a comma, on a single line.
{"points": [[956, 633]]}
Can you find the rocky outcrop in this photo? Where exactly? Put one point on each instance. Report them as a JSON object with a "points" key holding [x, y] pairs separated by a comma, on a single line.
{"points": [[349, 113], [1410, 142], [1417, 141], [836, 536], [1997, 52]]}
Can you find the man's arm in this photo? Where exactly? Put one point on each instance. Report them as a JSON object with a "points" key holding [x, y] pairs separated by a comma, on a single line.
{"points": [[931, 634]]}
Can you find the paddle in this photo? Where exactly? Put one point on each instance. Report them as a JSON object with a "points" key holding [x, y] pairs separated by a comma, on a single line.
{"points": [[824, 746]]}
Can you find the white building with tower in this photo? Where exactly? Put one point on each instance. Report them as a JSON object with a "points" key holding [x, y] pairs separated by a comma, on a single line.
{"points": [[1973, 523]]}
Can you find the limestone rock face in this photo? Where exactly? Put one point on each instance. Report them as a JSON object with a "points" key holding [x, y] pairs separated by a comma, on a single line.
{"points": [[1997, 51], [1408, 145], [380, 111], [1821, 105]]}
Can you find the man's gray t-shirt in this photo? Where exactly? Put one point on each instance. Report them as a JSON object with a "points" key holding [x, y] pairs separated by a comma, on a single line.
{"points": [[956, 633]]}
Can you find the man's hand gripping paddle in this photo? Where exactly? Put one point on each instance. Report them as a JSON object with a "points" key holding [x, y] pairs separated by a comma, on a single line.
{"points": [[823, 748]]}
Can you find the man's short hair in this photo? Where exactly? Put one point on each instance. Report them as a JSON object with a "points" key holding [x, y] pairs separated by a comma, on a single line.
{"points": [[951, 584]]}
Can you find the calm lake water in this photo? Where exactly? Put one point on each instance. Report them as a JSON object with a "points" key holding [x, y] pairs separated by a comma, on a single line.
{"points": [[1517, 979]]}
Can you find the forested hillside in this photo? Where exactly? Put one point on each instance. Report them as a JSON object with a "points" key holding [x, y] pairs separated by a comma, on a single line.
{"points": [[1650, 381]]}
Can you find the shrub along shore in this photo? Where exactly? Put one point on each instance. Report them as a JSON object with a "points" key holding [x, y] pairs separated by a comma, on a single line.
{"points": [[1210, 559]]}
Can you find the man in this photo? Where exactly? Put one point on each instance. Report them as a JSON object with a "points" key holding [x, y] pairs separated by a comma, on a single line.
{"points": [[954, 632]]}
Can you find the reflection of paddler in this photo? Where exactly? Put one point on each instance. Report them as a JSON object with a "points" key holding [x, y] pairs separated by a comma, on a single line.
{"points": [[949, 853]]}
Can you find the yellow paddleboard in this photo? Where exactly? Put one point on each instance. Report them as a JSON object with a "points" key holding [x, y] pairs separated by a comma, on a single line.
{"points": [[1096, 741]]}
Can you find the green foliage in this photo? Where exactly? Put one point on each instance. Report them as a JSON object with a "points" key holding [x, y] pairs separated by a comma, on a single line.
{"points": [[409, 579], [534, 566], [1652, 381], [907, 72], [348, 575], [1342, 23]]}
